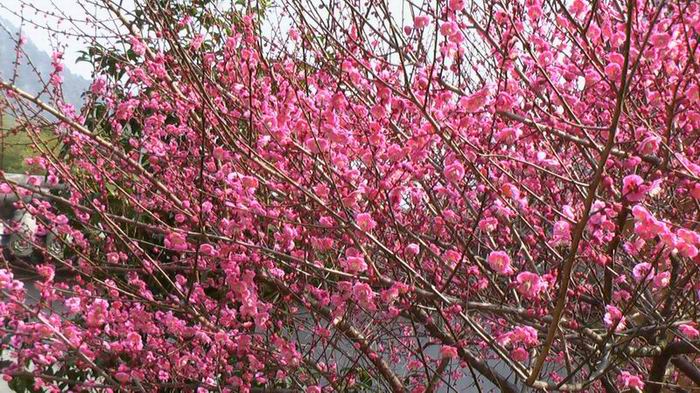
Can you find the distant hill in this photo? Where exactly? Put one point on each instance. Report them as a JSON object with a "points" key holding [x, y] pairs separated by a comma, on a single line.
{"points": [[16, 146], [73, 85]]}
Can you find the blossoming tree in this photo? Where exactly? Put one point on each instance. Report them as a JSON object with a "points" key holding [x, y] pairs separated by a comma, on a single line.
{"points": [[369, 196]]}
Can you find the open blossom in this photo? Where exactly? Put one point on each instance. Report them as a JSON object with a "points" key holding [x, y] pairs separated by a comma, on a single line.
{"points": [[73, 304], [365, 221], [530, 285], [46, 271], [613, 316], [499, 261], [448, 28], [646, 226], [561, 233], [364, 295], [133, 341], [661, 280], [456, 5], [454, 172], [207, 249], [474, 102], [510, 190], [488, 224], [633, 188], [448, 352], [509, 135], [176, 241], [137, 46], [643, 271], [660, 40], [6, 279], [689, 331], [649, 145], [98, 86], [520, 354], [355, 264], [97, 313], [520, 338], [421, 21], [520, 335], [613, 71], [412, 249], [628, 380]]}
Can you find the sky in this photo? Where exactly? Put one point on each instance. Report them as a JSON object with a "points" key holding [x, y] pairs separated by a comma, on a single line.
{"points": [[47, 13], [10, 10]]}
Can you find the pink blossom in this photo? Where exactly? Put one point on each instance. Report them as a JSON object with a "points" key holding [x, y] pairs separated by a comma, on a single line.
{"points": [[448, 28], [488, 224], [643, 271], [534, 12], [448, 352], [628, 380], [613, 71], [365, 222], [122, 377], [137, 46], [412, 249], [633, 188], [46, 271], [249, 182], [509, 135], [613, 316], [688, 236], [660, 40], [456, 5], [530, 285], [133, 341], [499, 261], [364, 295], [689, 330], [421, 21], [661, 280], [73, 304], [207, 249], [649, 145], [510, 190], [475, 101], [686, 250], [176, 241], [695, 191], [454, 172], [519, 354], [520, 335], [561, 233], [61, 219], [98, 86], [113, 257], [97, 313], [646, 226], [355, 264], [6, 279]]}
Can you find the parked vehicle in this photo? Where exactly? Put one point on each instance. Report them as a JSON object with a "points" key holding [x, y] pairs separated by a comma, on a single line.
{"points": [[19, 230]]}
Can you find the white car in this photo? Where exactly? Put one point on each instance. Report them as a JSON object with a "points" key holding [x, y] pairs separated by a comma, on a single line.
{"points": [[19, 235]]}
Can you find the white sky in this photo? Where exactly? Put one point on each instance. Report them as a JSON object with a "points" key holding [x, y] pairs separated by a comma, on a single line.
{"points": [[50, 12], [43, 39]]}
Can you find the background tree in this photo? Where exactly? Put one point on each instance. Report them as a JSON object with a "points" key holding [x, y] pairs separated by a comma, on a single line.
{"points": [[371, 196]]}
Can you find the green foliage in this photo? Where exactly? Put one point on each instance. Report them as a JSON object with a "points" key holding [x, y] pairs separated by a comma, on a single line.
{"points": [[16, 145]]}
